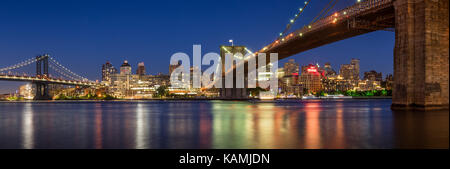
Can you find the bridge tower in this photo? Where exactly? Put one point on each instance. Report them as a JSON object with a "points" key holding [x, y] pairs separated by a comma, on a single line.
{"points": [[233, 93], [421, 54], [42, 92]]}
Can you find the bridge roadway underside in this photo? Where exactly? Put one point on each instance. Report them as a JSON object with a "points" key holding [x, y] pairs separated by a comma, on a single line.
{"points": [[39, 81], [373, 20], [421, 53], [42, 89]]}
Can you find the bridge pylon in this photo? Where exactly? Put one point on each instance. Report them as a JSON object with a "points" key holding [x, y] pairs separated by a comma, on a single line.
{"points": [[42, 90], [421, 54], [233, 92]]}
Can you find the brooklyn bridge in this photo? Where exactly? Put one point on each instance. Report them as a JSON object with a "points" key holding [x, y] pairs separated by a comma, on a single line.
{"points": [[420, 54]]}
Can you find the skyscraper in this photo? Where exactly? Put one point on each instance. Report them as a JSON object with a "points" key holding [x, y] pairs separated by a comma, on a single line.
{"points": [[328, 70], [141, 69], [350, 71], [173, 67], [107, 70], [311, 78], [125, 69], [291, 67]]}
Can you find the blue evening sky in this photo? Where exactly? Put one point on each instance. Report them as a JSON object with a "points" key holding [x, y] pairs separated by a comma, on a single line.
{"points": [[85, 34]]}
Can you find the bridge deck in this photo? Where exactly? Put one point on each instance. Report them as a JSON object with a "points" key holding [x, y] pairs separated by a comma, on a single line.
{"points": [[45, 80], [364, 17]]}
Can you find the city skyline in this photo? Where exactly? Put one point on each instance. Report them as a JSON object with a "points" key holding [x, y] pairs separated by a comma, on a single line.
{"points": [[203, 75], [83, 44]]}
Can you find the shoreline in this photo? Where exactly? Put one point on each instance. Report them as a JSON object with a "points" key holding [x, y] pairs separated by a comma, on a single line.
{"points": [[204, 99]]}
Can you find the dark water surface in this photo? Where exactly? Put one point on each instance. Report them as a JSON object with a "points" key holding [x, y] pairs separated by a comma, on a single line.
{"points": [[219, 124]]}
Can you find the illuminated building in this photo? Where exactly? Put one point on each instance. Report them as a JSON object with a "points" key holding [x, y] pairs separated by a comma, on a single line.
{"points": [[365, 85], [310, 78], [173, 67], [26, 91], [107, 70], [120, 83], [291, 67], [144, 86], [328, 71], [125, 69], [350, 71], [373, 76], [141, 69], [336, 83], [389, 82]]}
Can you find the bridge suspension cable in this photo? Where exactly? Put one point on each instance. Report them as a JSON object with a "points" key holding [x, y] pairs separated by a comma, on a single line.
{"points": [[19, 65], [67, 70], [323, 13], [61, 73], [296, 16]]}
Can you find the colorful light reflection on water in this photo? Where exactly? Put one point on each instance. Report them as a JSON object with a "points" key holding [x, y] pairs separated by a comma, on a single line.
{"points": [[219, 124]]}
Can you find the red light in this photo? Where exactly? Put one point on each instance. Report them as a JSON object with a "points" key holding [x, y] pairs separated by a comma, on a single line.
{"points": [[295, 74], [312, 70]]}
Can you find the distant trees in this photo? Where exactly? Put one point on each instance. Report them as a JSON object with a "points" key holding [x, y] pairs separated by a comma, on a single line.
{"points": [[355, 93], [89, 96], [161, 91], [256, 91]]}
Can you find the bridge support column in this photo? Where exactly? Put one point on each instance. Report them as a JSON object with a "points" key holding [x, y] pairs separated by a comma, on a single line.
{"points": [[421, 54], [42, 90], [233, 93]]}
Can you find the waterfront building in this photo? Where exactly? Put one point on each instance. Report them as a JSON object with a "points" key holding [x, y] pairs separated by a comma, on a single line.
{"points": [[365, 85], [311, 78], [389, 81], [27, 91], [136, 86], [336, 83], [120, 83]]}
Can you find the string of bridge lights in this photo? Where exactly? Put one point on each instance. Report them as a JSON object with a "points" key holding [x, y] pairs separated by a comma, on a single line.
{"points": [[61, 66], [291, 21], [19, 65], [300, 33], [62, 73]]}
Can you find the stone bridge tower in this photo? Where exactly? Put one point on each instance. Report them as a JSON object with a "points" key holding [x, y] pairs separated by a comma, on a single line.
{"points": [[421, 54]]}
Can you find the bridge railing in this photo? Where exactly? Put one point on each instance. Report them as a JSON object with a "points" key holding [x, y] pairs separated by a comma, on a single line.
{"points": [[339, 16]]}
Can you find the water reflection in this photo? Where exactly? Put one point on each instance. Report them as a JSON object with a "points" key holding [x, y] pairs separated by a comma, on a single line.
{"points": [[141, 127], [27, 127], [98, 127], [219, 124]]}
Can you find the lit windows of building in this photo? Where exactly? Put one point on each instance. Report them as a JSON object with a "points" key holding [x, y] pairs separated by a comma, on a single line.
{"points": [[291, 67], [373, 76], [108, 70], [350, 71], [141, 69], [311, 78], [125, 69]]}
